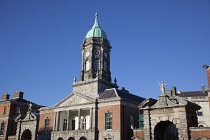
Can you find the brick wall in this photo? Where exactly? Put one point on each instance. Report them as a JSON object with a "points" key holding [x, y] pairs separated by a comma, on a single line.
{"points": [[196, 132], [115, 109], [42, 122], [208, 76], [126, 121], [139, 133]]}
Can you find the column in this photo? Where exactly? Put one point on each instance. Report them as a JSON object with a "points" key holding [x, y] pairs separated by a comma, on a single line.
{"points": [[91, 118], [79, 118], [147, 125], [68, 119], [55, 117], [58, 121], [94, 118]]}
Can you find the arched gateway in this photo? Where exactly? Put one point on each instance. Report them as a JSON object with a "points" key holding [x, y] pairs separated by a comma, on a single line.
{"points": [[169, 117], [26, 135], [165, 130], [83, 138]]}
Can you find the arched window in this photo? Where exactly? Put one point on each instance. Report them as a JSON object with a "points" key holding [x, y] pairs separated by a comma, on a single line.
{"points": [[2, 129], [60, 138], [87, 65], [47, 125], [83, 138], [96, 64], [105, 66], [71, 138]]}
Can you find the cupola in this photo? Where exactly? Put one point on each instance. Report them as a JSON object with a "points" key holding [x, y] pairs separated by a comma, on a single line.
{"points": [[96, 30]]}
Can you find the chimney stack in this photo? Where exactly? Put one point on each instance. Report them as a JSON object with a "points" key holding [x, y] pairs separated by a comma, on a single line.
{"points": [[18, 94], [208, 74], [5, 96]]}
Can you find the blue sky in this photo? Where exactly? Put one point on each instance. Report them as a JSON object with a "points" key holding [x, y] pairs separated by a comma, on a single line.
{"points": [[152, 41]]}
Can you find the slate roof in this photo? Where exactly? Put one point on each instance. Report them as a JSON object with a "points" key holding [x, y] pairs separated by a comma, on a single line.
{"points": [[193, 94], [20, 100], [111, 93]]}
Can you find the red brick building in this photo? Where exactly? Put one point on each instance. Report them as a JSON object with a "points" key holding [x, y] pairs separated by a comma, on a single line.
{"points": [[9, 110]]}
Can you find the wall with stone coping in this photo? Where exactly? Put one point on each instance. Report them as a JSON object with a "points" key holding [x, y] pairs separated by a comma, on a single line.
{"points": [[197, 132], [138, 133]]}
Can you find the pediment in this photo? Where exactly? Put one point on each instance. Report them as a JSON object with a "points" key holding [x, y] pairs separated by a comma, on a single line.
{"points": [[75, 99], [169, 101]]}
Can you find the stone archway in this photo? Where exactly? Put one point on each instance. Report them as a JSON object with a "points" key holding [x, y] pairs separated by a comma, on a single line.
{"points": [[71, 138], [26, 135], [165, 130], [83, 138]]}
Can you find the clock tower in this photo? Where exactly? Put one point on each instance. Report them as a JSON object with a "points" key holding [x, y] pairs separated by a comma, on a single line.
{"points": [[96, 54], [95, 62]]}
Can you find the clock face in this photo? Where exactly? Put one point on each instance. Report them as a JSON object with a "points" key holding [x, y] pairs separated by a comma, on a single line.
{"points": [[87, 54], [97, 52], [105, 54]]}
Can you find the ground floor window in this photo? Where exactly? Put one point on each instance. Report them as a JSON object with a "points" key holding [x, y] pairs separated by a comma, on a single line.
{"points": [[141, 121], [73, 124], [84, 123], [64, 124], [47, 125]]}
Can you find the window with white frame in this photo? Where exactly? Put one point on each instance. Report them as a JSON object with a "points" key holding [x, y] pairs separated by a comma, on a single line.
{"points": [[2, 129], [108, 120], [47, 125]]}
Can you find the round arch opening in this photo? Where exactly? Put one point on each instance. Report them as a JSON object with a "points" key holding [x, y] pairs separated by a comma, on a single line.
{"points": [[26, 135], [165, 130], [71, 138], [83, 138]]}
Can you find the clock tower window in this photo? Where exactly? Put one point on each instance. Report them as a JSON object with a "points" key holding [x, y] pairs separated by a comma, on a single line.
{"points": [[105, 66], [96, 64], [87, 65]]}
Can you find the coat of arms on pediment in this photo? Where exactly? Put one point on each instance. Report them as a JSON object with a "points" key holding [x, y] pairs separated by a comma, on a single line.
{"points": [[75, 99]]}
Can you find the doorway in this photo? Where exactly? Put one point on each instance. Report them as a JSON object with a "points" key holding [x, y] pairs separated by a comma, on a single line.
{"points": [[165, 130]]}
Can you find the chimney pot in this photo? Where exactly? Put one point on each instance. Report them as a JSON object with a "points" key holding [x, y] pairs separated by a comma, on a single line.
{"points": [[18, 94], [5, 96]]}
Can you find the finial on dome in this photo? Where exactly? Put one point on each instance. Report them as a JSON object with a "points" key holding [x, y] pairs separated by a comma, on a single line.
{"points": [[96, 15], [96, 30], [96, 21]]}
